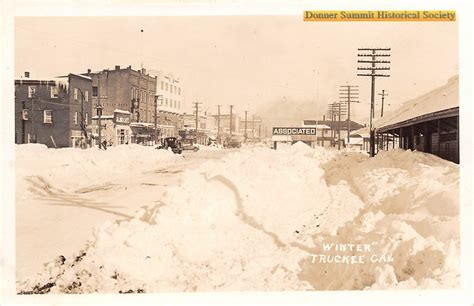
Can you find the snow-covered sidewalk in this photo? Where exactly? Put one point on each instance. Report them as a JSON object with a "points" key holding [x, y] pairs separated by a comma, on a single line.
{"points": [[260, 219]]}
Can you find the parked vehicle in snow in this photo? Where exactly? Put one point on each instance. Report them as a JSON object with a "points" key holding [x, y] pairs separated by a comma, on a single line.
{"points": [[171, 143], [231, 142], [188, 144]]}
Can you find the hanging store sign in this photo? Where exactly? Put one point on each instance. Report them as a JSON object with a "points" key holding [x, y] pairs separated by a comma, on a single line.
{"points": [[122, 118]]}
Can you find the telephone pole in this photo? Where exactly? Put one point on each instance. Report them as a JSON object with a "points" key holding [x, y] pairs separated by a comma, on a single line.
{"points": [[99, 114], [196, 110], [348, 94], [230, 118], [157, 98], [337, 110], [383, 94], [253, 127], [218, 124], [245, 127], [373, 71]]}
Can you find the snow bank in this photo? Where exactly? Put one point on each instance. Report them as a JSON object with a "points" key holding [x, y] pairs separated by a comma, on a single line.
{"points": [[40, 170], [410, 214], [254, 220]]}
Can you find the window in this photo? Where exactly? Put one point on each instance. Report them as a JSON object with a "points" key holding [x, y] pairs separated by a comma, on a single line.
{"points": [[48, 116], [179, 90], [174, 89], [75, 118], [166, 86], [31, 91], [76, 93], [95, 91], [87, 118], [166, 102], [179, 104], [54, 91], [86, 96], [162, 85]]}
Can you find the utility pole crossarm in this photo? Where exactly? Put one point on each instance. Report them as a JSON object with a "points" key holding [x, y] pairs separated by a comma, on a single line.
{"points": [[374, 75], [372, 57]]}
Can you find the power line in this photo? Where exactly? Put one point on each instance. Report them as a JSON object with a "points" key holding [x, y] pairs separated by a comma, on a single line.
{"points": [[372, 71], [348, 94]]}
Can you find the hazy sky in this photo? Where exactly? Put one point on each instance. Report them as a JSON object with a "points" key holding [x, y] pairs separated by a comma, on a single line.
{"points": [[247, 61]]}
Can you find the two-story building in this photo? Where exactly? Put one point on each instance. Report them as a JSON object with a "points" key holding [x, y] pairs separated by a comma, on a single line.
{"points": [[54, 111]]}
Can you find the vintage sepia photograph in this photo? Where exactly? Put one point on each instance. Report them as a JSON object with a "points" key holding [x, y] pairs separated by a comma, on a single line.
{"points": [[317, 151]]}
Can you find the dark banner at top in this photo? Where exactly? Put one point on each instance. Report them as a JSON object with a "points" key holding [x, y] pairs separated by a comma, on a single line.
{"points": [[294, 131]]}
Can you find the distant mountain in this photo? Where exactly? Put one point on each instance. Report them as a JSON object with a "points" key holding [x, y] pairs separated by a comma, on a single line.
{"points": [[288, 112]]}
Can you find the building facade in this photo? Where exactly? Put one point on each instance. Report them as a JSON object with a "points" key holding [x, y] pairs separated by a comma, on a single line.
{"points": [[115, 129], [189, 128], [335, 133], [428, 123], [252, 129], [170, 95], [55, 112], [125, 89]]}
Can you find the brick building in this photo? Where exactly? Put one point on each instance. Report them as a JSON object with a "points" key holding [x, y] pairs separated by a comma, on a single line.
{"points": [[125, 89], [55, 112]]}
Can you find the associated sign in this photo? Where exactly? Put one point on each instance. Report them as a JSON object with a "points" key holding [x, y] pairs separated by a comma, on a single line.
{"points": [[294, 131]]}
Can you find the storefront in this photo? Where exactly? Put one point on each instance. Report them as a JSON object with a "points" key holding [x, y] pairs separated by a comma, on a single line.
{"points": [[115, 129]]}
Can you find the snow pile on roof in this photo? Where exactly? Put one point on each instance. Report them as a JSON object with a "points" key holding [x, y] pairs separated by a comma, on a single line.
{"points": [[363, 132], [441, 98], [121, 111], [254, 220], [38, 169]]}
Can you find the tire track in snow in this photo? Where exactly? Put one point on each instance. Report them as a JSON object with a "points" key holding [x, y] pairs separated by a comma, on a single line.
{"points": [[241, 211]]}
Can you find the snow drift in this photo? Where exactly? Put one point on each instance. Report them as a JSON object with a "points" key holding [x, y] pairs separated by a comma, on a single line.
{"points": [[254, 220], [39, 169]]}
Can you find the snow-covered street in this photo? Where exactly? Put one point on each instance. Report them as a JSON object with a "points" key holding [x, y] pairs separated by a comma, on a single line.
{"points": [[62, 198], [135, 219]]}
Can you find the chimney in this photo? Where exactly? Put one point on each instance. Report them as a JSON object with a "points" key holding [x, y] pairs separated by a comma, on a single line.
{"points": [[89, 71], [117, 67], [143, 71], [27, 74]]}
